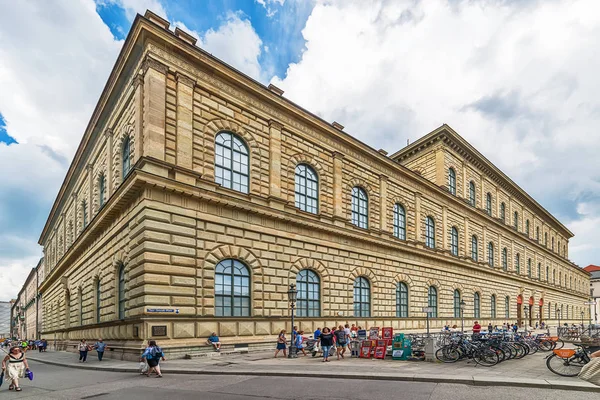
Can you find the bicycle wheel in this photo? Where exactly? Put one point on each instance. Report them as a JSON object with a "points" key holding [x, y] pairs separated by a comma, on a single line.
{"points": [[559, 344], [546, 345], [520, 350], [447, 354], [563, 366], [486, 357]]}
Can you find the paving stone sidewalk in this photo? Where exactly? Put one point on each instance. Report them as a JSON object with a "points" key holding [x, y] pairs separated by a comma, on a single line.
{"points": [[530, 371]]}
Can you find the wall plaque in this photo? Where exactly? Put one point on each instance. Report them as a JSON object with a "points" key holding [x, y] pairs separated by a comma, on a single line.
{"points": [[159, 330]]}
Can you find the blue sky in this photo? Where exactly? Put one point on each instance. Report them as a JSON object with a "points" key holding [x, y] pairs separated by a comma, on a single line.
{"points": [[515, 79]]}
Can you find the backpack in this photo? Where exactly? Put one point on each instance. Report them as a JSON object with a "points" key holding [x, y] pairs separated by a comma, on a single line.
{"points": [[155, 352]]}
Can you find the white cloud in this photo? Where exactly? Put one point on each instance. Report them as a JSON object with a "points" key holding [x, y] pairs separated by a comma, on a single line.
{"points": [[518, 80], [270, 6]]}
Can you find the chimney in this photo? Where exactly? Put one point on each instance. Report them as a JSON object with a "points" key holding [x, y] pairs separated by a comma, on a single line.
{"points": [[163, 23], [185, 36], [337, 125], [275, 89]]}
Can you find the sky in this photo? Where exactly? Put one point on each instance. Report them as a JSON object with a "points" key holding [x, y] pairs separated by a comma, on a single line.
{"points": [[517, 79]]}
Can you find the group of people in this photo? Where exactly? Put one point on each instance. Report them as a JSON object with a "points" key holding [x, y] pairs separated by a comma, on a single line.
{"points": [[506, 327], [84, 347], [338, 337], [41, 345]]}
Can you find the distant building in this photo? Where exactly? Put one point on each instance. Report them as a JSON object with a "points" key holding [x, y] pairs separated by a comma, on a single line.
{"points": [[594, 271], [4, 319]]}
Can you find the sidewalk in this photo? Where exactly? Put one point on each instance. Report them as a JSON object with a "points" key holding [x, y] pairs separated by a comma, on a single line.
{"points": [[530, 371]]}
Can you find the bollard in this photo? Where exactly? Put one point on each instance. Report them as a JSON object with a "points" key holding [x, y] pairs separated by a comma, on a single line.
{"points": [[430, 349]]}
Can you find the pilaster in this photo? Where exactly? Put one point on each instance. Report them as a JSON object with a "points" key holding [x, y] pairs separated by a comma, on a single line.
{"points": [[108, 134], [185, 91], [154, 106], [383, 182], [338, 163], [418, 217], [90, 171], [439, 167], [444, 227], [275, 158], [467, 236]]}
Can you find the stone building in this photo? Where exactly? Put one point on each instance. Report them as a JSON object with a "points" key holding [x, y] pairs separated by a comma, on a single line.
{"points": [[594, 271], [197, 195], [5, 319]]}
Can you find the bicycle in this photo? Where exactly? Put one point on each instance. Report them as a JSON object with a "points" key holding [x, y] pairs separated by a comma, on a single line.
{"points": [[567, 362]]}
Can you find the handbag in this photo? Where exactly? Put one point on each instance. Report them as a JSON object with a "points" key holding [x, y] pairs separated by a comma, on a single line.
{"points": [[143, 367], [591, 371], [1, 378]]}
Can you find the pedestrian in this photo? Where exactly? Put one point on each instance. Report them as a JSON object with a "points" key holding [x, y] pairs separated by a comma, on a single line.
{"points": [[490, 328], [317, 333], [353, 330], [100, 346], [17, 365], [281, 341], [83, 350], [213, 340], [299, 342], [326, 340], [341, 340], [153, 354], [515, 328], [476, 328]]}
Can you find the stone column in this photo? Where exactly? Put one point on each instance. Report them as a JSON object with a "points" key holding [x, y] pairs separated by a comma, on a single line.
{"points": [[338, 162], [383, 182], [155, 91], [275, 158], [185, 92], [418, 217], [444, 227], [439, 167]]}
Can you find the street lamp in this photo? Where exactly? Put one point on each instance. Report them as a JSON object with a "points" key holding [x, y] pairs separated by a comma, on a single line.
{"points": [[462, 315], [558, 316], [582, 313], [292, 296], [526, 318]]}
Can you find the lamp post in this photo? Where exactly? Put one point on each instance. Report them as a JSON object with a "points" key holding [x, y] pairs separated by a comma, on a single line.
{"points": [[582, 313], [462, 315], [292, 295], [558, 316], [526, 309]]}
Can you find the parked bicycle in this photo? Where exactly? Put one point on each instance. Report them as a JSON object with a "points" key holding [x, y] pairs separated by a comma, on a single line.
{"points": [[568, 362]]}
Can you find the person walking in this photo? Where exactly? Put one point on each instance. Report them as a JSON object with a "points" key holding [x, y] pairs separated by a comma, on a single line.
{"points": [[326, 340], [317, 333], [17, 365], [299, 342], [153, 354], [341, 340], [281, 344], [100, 346], [83, 350]]}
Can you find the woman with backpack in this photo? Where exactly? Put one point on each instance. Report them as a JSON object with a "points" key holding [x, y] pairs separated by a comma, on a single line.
{"points": [[153, 354]]}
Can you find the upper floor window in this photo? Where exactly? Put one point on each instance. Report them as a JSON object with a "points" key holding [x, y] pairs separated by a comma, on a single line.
{"points": [[547, 273], [452, 181], [527, 227], [101, 189], [503, 212], [231, 162], [518, 264], [529, 267], [516, 220], [399, 222], [429, 232], [537, 233], [505, 259], [554, 276], [401, 300], [84, 211], [454, 241], [362, 297], [472, 193], [539, 271], [491, 254], [126, 156], [546, 239], [360, 207], [309, 293], [474, 252], [553, 244], [306, 189], [488, 203], [232, 289]]}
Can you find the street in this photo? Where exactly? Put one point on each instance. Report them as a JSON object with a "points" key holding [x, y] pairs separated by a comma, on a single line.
{"points": [[52, 382]]}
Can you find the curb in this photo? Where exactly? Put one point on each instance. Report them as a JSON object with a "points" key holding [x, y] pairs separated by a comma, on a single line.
{"points": [[474, 381]]}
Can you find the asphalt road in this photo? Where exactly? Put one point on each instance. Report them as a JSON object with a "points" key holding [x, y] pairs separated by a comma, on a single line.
{"points": [[53, 382]]}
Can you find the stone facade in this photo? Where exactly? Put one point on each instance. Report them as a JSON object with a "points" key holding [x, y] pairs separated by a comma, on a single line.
{"points": [[131, 253]]}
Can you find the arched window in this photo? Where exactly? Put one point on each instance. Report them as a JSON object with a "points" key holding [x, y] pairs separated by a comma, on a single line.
{"points": [[505, 259], [539, 271], [546, 239], [527, 227], [98, 300], [476, 305], [558, 248], [101, 190], [554, 276], [362, 297], [552, 243], [488, 203], [231, 162], [399, 222], [121, 287], [503, 212], [452, 181], [309, 294], [474, 252], [472, 193], [232, 289], [429, 232], [456, 303], [547, 273], [306, 189], [537, 233], [401, 300], [529, 267], [454, 241], [126, 156], [493, 306], [360, 207], [518, 264], [432, 301], [491, 254], [84, 212], [516, 220], [506, 307]]}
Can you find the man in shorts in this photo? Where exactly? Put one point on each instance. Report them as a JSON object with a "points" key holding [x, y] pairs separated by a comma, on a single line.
{"points": [[341, 341]]}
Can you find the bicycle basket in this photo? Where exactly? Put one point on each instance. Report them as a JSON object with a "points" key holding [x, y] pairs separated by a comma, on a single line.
{"points": [[564, 353]]}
